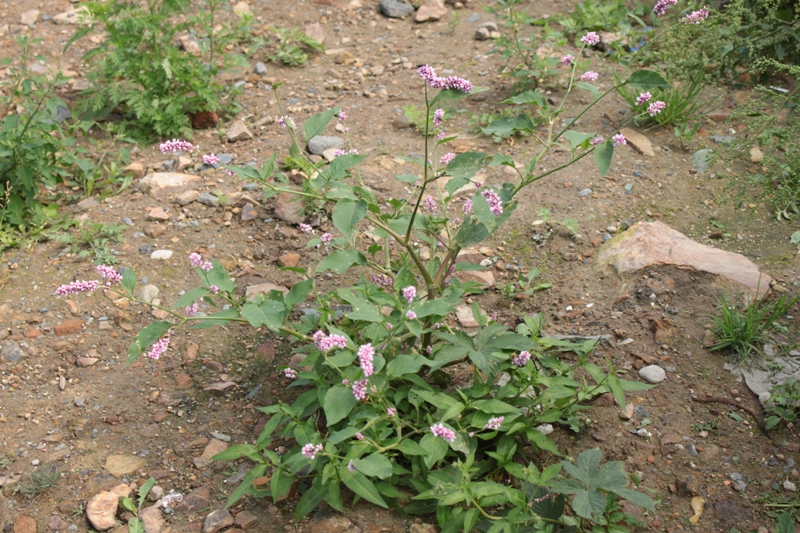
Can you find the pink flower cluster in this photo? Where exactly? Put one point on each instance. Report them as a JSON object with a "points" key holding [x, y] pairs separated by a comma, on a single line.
{"points": [[192, 309], [642, 98], [176, 145], [311, 450], [290, 373], [494, 423], [619, 139], [305, 228], [327, 342], [567, 60], [196, 260], [591, 38], [337, 153], [351, 467], [286, 122], [521, 359], [214, 289], [446, 158], [111, 276], [341, 115], [495, 203], [411, 315], [366, 353], [696, 17], [326, 238], [450, 82], [596, 141], [77, 286], [662, 5], [360, 391], [438, 115], [381, 280], [656, 107], [409, 293], [447, 434], [210, 160], [391, 411], [430, 204], [160, 347], [467, 207], [589, 76]]}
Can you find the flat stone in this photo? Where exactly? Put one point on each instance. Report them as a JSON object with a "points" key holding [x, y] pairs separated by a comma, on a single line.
{"points": [[29, 18], [465, 317], [430, 10], [73, 325], [213, 448], [83, 362], [653, 374], [101, 509], [245, 520], [326, 522], [756, 155], [186, 197], [152, 520], [638, 142], [122, 465], [57, 524], [289, 260], [702, 159], [627, 413], [148, 292], [249, 212], [156, 183], [87, 204], [217, 520], [483, 277], [72, 16], [264, 288], [25, 524], [289, 208], [208, 199], [486, 31], [183, 380], [652, 244], [319, 143], [135, 168], [395, 9], [238, 132], [150, 431], [220, 386], [154, 231], [315, 31], [260, 68], [161, 254], [11, 351], [195, 501]]}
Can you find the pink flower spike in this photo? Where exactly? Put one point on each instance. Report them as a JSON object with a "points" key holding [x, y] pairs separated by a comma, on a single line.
{"points": [[589, 76], [430, 203], [77, 286], [176, 145], [360, 391], [366, 353], [195, 259], [495, 203], [351, 467], [290, 373], [642, 98], [656, 107], [409, 293], [494, 423], [697, 16], [467, 207], [286, 122], [311, 450], [192, 309], [391, 411], [596, 141], [446, 158], [326, 238], [341, 115], [567, 60], [661, 6], [112, 276], [438, 115], [359, 436], [619, 139], [447, 434], [411, 315], [160, 347], [521, 359], [305, 228], [591, 38], [214, 289], [210, 160]]}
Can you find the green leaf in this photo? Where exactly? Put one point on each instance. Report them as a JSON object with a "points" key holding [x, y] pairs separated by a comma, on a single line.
{"points": [[135, 525], [785, 523], [375, 465], [576, 138], [315, 494], [128, 280], [339, 400], [527, 98], [346, 214], [494, 407], [588, 462], [298, 293], [587, 503], [471, 232], [616, 389], [217, 319], [436, 448], [359, 484], [636, 498], [257, 316], [630, 386], [146, 337], [405, 364], [466, 165], [446, 95], [795, 239], [317, 124], [603, 153], [541, 440], [247, 483], [589, 87], [410, 447], [646, 80], [505, 127], [128, 505], [341, 260], [471, 519], [145, 489], [189, 297], [362, 309], [239, 450]]}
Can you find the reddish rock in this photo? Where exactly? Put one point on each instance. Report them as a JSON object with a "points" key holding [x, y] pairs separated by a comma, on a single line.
{"points": [[73, 325], [289, 208], [158, 213], [160, 416], [183, 380], [653, 244], [266, 351], [83, 362], [197, 500], [56, 524], [191, 352], [245, 520], [25, 524], [289, 260], [150, 431], [214, 447], [155, 230], [430, 10]]}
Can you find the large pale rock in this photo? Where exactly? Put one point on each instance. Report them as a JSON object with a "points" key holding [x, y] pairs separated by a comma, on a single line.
{"points": [[101, 509], [264, 288], [289, 208], [638, 142], [214, 447], [652, 244], [122, 465], [158, 182], [73, 16], [152, 520], [430, 10], [484, 277]]}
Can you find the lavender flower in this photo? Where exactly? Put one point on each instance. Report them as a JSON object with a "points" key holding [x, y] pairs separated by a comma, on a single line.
{"points": [[305, 228], [195, 259], [521, 359], [326, 238], [381, 280], [327, 343], [176, 145], [467, 207], [351, 467], [214, 289], [596, 141], [359, 436], [311, 450], [409, 293], [661, 6], [441, 135], [430, 204], [619, 139], [77, 286], [341, 115], [391, 411], [206, 266], [360, 391], [438, 115], [450, 82], [656, 107], [446, 158], [365, 356], [591, 38], [642, 98], [111, 276], [589, 76], [192, 309], [160, 347], [447, 434], [495, 203], [494, 423], [211, 160], [286, 122], [290, 373], [696, 17], [411, 315], [567, 60]]}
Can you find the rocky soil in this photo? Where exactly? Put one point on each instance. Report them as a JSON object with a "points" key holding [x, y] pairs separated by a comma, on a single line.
{"points": [[79, 429]]}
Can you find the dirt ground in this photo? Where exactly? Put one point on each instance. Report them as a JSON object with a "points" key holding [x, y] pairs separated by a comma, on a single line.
{"points": [[59, 409]]}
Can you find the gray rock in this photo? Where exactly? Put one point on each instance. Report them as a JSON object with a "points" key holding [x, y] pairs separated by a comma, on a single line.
{"points": [[217, 520], [238, 132], [148, 292], [79, 402], [186, 197], [318, 144], [486, 31], [474, 18], [208, 199], [584, 192], [395, 9], [146, 249], [11, 352], [702, 159], [722, 139], [226, 159], [29, 18], [260, 68], [128, 221], [73, 16], [653, 374]]}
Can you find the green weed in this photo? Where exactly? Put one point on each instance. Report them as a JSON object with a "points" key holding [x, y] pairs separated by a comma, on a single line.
{"points": [[39, 480], [92, 239], [683, 102], [292, 46], [784, 404]]}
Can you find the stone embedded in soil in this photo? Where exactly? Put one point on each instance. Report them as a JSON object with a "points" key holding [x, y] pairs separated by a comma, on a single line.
{"points": [[183, 380], [219, 386], [627, 413], [430, 10], [56, 524], [29, 18], [186, 197], [72, 16], [486, 31], [264, 288], [238, 132], [11, 352], [160, 182], [325, 523], [87, 204], [319, 143], [197, 500], [25, 524], [395, 9], [148, 292], [465, 317], [73, 325], [249, 212], [756, 155], [315, 31], [217, 520], [422, 528], [152, 520], [483, 277], [161, 254], [155, 231], [83, 362], [652, 374], [653, 244], [150, 431], [208, 199], [289, 208], [122, 465], [245, 520], [213, 448], [136, 168], [702, 159], [638, 142], [158, 213], [101, 509], [289, 260]]}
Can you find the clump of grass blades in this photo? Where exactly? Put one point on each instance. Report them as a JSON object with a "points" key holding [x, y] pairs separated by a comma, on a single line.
{"points": [[743, 331], [40, 480]]}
